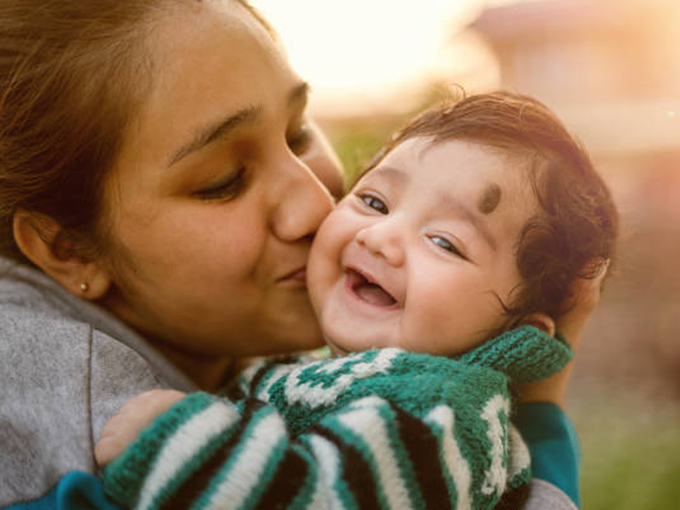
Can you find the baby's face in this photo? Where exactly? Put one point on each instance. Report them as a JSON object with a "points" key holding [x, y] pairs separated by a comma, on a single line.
{"points": [[418, 254]]}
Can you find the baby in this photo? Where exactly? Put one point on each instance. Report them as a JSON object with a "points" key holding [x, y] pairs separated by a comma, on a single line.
{"points": [[437, 282]]}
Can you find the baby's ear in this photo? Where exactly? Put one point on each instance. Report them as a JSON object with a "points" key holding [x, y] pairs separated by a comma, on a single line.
{"points": [[540, 321]]}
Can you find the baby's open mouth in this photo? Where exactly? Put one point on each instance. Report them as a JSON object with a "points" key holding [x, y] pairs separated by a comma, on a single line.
{"points": [[368, 291]]}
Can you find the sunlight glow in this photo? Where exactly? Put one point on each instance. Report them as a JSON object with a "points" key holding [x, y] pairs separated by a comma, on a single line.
{"points": [[360, 54]]}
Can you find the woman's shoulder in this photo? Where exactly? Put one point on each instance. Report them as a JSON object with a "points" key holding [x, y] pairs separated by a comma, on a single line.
{"points": [[48, 334], [44, 370], [39, 318], [66, 366], [37, 329], [26, 290]]}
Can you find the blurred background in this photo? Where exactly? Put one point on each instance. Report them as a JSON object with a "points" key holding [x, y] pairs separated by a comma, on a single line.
{"points": [[611, 70]]}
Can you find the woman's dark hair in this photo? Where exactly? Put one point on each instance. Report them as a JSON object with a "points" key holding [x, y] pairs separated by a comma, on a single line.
{"points": [[72, 73], [574, 235]]}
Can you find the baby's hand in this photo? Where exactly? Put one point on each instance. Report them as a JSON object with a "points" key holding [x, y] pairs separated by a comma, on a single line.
{"points": [[135, 415]]}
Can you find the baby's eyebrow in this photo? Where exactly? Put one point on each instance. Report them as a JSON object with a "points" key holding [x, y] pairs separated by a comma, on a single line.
{"points": [[490, 199], [445, 200], [393, 174]]}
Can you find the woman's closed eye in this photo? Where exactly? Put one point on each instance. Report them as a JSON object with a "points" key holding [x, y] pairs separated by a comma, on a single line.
{"points": [[225, 189]]}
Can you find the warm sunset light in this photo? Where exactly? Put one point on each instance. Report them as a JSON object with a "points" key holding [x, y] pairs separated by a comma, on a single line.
{"points": [[361, 55]]}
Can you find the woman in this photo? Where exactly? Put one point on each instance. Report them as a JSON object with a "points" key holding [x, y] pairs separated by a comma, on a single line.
{"points": [[161, 176]]}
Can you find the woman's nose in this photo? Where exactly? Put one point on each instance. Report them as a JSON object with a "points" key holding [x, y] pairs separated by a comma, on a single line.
{"points": [[300, 201], [321, 159], [383, 239]]}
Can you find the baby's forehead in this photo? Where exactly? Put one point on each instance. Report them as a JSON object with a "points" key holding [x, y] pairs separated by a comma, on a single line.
{"points": [[507, 179], [494, 175]]}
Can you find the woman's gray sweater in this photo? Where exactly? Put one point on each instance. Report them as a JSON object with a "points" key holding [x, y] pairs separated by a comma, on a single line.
{"points": [[66, 366]]}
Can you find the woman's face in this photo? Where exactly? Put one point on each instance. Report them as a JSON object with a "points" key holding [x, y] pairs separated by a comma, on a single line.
{"points": [[211, 202]]}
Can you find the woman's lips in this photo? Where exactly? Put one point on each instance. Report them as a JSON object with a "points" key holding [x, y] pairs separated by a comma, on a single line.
{"points": [[298, 275]]}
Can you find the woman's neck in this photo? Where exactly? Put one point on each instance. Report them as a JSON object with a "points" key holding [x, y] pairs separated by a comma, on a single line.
{"points": [[208, 372]]}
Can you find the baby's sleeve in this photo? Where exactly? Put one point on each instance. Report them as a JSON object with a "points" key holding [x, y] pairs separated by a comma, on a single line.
{"points": [[389, 430], [525, 354], [553, 443]]}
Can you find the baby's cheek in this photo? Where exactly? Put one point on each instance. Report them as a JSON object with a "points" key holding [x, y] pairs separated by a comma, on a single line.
{"points": [[448, 323], [317, 278]]}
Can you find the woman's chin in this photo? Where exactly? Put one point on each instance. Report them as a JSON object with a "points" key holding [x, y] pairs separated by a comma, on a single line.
{"points": [[300, 337], [312, 340]]}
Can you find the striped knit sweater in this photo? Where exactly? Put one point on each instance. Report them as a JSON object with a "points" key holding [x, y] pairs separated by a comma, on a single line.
{"points": [[381, 429]]}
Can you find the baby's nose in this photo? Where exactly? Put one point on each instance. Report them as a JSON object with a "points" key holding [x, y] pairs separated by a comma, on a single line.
{"points": [[384, 241]]}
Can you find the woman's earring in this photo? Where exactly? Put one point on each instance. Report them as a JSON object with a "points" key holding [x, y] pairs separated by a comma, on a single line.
{"points": [[84, 287]]}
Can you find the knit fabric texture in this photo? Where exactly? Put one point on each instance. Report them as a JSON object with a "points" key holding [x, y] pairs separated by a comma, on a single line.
{"points": [[381, 429]]}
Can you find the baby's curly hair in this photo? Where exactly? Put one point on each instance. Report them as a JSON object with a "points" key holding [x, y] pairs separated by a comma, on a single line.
{"points": [[574, 235]]}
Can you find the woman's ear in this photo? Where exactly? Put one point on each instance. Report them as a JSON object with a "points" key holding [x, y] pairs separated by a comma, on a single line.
{"points": [[44, 242], [541, 321]]}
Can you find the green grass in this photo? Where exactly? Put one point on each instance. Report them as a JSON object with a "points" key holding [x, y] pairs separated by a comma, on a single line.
{"points": [[356, 146], [630, 455]]}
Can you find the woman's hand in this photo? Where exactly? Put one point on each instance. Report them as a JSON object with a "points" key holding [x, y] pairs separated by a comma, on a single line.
{"points": [[585, 298], [135, 415]]}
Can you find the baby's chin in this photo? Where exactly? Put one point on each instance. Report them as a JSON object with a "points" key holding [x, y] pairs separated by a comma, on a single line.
{"points": [[340, 348], [335, 348]]}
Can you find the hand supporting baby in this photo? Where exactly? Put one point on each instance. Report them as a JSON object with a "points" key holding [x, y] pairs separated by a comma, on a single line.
{"points": [[135, 415], [585, 296]]}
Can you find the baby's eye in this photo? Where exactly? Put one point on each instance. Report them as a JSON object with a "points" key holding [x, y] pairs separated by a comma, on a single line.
{"points": [[445, 244], [375, 203]]}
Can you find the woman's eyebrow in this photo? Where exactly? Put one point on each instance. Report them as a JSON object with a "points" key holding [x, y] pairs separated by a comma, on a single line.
{"points": [[220, 129], [224, 127]]}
